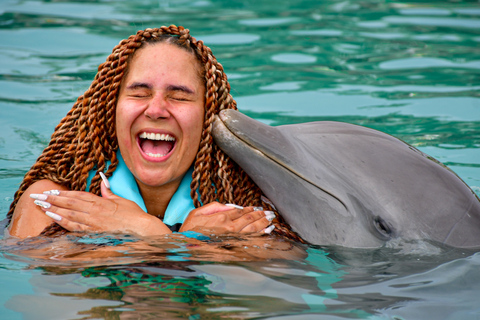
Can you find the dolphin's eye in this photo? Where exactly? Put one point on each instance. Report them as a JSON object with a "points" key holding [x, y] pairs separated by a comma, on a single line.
{"points": [[382, 227]]}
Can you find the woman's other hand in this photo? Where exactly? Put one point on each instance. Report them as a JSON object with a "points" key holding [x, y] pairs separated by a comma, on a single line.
{"points": [[220, 218]]}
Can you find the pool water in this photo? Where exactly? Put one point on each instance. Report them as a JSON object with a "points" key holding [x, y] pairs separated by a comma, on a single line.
{"points": [[407, 68]]}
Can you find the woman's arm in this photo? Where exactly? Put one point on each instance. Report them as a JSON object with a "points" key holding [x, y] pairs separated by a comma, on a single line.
{"points": [[86, 212], [28, 219], [79, 211]]}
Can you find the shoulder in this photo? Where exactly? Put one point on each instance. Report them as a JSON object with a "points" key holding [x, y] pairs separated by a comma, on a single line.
{"points": [[28, 219]]}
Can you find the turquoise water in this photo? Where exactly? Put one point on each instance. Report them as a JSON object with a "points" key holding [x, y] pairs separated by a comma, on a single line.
{"points": [[410, 69]]}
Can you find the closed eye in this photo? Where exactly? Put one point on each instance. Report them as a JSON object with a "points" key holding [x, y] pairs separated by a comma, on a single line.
{"points": [[139, 95], [139, 90], [180, 97], [181, 93]]}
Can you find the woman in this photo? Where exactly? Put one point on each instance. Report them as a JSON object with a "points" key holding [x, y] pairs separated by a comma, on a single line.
{"points": [[147, 116]]}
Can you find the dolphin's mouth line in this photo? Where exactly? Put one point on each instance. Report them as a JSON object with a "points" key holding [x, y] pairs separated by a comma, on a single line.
{"points": [[281, 165]]}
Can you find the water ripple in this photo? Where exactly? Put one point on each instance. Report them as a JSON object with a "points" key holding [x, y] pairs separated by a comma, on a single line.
{"points": [[425, 62], [229, 38], [434, 22]]}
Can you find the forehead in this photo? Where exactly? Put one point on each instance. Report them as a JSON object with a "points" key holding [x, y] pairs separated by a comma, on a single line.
{"points": [[161, 57]]}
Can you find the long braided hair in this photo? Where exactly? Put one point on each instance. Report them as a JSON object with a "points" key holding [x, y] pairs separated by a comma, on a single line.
{"points": [[85, 139]]}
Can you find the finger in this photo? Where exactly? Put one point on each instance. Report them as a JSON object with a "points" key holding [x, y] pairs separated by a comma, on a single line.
{"points": [[246, 215], [107, 192], [65, 223], [260, 226], [268, 229], [59, 214], [65, 202], [82, 195], [105, 189], [215, 207], [104, 180], [254, 221]]}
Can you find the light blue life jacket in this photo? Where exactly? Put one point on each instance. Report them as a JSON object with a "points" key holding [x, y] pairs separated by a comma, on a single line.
{"points": [[123, 184]]}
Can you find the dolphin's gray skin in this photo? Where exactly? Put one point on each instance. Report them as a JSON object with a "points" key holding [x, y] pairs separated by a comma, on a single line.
{"points": [[342, 184]]}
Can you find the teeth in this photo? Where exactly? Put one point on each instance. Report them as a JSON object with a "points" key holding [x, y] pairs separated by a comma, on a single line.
{"points": [[156, 136], [155, 155]]}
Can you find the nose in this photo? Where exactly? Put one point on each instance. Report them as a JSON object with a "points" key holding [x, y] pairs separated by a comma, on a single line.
{"points": [[157, 109]]}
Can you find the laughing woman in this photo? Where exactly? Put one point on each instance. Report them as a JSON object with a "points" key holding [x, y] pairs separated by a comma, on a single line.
{"points": [[146, 123]]}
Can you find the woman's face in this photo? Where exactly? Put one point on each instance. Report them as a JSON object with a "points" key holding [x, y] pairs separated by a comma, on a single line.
{"points": [[159, 116]]}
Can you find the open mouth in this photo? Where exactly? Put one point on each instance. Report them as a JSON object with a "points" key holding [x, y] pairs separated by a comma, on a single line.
{"points": [[156, 145]]}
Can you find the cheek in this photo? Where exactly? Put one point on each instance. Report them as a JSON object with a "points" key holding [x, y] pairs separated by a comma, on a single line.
{"points": [[197, 120], [192, 128], [122, 126]]}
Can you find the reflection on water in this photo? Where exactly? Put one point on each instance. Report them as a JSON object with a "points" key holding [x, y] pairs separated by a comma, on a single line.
{"points": [[406, 68], [80, 250], [173, 278]]}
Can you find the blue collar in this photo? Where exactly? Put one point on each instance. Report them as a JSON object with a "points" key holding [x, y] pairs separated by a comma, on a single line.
{"points": [[123, 184]]}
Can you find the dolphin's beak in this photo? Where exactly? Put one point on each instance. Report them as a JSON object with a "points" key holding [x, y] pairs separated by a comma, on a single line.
{"points": [[239, 128]]}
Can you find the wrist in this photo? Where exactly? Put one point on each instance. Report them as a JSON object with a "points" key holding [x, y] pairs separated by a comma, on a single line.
{"points": [[151, 226]]}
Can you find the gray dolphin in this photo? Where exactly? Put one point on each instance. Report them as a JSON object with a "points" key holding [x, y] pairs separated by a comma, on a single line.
{"points": [[341, 184]]}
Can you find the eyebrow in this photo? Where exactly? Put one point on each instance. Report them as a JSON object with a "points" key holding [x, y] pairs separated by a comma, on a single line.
{"points": [[139, 85], [180, 88], [172, 87]]}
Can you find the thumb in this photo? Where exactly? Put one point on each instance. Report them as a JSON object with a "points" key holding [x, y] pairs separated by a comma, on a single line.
{"points": [[105, 188]]}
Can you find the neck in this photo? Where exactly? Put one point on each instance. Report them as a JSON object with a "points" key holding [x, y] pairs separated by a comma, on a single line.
{"points": [[157, 198]]}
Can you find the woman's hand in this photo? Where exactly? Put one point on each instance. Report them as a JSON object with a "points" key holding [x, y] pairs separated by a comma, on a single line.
{"points": [[84, 211], [220, 218]]}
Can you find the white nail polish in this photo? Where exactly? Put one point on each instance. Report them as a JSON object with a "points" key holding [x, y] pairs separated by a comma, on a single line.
{"points": [[270, 215], [105, 180], [269, 229], [37, 196], [52, 192], [42, 204], [234, 206], [54, 216], [266, 200], [258, 209]]}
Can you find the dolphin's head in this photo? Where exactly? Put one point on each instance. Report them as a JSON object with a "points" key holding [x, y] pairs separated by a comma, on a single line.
{"points": [[340, 184]]}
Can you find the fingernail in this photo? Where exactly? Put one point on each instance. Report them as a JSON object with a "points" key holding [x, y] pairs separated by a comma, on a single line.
{"points": [[258, 209], [234, 205], [38, 196], [51, 192], [266, 200], [269, 215], [105, 180], [42, 204], [269, 229], [54, 216]]}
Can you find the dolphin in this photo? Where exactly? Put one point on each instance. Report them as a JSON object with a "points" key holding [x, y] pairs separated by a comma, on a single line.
{"points": [[341, 184]]}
